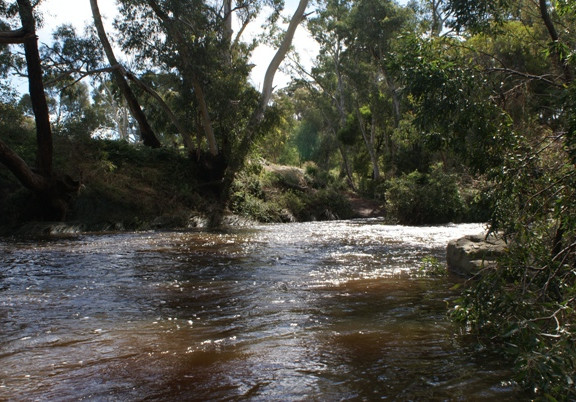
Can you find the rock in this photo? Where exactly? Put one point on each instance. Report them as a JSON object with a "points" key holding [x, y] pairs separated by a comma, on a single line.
{"points": [[48, 229], [467, 255], [198, 221], [290, 177]]}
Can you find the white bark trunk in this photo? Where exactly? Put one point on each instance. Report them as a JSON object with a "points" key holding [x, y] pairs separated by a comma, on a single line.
{"points": [[268, 87]]}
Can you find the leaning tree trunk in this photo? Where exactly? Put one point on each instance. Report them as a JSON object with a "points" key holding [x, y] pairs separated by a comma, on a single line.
{"points": [[239, 155], [36, 88], [568, 78], [146, 132], [53, 193]]}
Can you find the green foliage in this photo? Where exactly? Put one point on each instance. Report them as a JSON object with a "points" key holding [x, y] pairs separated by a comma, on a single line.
{"points": [[248, 205], [565, 7], [425, 198], [431, 267], [451, 102], [478, 199], [289, 155], [478, 14], [306, 140], [527, 304], [350, 133], [525, 307], [507, 308], [320, 178], [325, 204], [286, 194]]}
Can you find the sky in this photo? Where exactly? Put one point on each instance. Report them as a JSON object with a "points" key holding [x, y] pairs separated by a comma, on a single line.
{"points": [[78, 13]]}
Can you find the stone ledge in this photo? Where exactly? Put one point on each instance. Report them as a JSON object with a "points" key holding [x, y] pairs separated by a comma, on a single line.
{"points": [[466, 256]]}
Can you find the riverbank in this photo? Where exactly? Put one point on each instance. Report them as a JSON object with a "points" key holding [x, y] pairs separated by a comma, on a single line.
{"points": [[124, 187]]}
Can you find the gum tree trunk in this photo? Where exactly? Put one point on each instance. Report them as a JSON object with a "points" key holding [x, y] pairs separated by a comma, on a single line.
{"points": [[53, 193], [148, 137]]}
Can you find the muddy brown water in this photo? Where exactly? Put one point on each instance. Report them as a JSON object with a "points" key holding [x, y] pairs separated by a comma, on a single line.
{"points": [[308, 311]]}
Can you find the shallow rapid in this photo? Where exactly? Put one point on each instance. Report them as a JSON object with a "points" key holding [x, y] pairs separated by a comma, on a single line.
{"points": [[306, 311]]}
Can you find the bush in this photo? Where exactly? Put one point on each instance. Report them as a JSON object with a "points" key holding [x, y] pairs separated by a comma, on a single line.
{"points": [[425, 198], [431, 267], [250, 206], [328, 204], [319, 178], [479, 204], [527, 307], [288, 193], [249, 198]]}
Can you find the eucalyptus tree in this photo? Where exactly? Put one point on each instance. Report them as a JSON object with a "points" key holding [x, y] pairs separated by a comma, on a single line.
{"points": [[328, 79], [191, 72], [53, 191], [113, 111], [193, 43], [72, 112], [147, 133], [433, 16], [374, 27], [190, 66], [352, 70]]}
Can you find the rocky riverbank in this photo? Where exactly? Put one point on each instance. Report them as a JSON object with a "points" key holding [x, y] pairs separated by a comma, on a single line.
{"points": [[467, 255]]}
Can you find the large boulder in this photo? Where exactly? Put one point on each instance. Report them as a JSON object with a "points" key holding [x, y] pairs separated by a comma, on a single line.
{"points": [[467, 255]]}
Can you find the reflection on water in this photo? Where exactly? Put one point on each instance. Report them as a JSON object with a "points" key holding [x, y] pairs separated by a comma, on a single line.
{"points": [[321, 311]]}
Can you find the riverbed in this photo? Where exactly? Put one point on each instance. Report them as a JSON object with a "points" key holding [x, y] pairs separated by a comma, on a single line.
{"points": [[305, 311]]}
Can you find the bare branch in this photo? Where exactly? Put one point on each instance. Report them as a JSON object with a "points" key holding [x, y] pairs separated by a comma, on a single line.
{"points": [[525, 75], [83, 74], [240, 32]]}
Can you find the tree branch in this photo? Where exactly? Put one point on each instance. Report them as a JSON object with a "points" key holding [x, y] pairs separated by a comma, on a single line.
{"points": [[82, 74], [267, 86], [186, 136], [148, 136], [568, 77], [525, 75], [240, 32], [189, 73], [15, 36], [30, 179]]}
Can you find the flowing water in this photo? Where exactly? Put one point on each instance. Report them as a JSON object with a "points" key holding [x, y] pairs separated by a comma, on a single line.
{"points": [[310, 311]]}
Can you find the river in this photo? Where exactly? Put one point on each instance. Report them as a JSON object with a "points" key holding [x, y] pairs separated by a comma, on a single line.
{"points": [[320, 311]]}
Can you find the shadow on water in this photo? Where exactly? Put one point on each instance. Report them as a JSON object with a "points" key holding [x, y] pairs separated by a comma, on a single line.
{"points": [[318, 311]]}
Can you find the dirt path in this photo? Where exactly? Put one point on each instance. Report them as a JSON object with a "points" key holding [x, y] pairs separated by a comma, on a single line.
{"points": [[365, 208]]}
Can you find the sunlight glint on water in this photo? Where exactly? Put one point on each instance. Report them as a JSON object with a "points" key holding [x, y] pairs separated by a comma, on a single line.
{"points": [[327, 311]]}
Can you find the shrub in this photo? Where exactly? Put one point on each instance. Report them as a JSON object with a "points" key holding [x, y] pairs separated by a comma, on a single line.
{"points": [[431, 267], [527, 307], [425, 198]]}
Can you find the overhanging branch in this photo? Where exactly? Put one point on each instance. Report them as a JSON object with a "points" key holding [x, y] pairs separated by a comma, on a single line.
{"points": [[524, 75], [15, 36], [30, 179]]}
